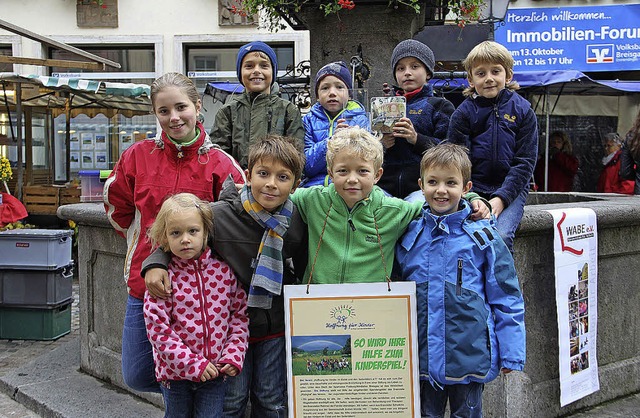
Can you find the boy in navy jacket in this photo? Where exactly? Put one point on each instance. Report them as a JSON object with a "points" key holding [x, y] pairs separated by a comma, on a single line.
{"points": [[425, 125], [500, 129]]}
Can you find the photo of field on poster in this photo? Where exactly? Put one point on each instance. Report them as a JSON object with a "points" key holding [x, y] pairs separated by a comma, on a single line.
{"points": [[321, 355]]}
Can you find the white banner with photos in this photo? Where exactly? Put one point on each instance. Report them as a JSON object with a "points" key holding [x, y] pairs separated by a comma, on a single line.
{"points": [[576, 271]]}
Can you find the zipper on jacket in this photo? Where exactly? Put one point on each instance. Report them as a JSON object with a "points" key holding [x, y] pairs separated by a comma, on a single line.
{"points": [[496, 129], [205, 319], [459, 282], [352, 228]]}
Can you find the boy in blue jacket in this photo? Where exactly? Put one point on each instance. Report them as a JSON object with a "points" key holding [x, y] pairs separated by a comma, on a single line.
{"points": [[334, 109], [500, 129], [469, 305]]}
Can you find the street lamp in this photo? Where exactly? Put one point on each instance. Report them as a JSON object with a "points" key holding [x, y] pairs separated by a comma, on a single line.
{"points": [[494, 13]]}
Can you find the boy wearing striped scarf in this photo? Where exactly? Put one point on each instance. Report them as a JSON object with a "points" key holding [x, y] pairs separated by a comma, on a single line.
{"points": [[257, 231]]}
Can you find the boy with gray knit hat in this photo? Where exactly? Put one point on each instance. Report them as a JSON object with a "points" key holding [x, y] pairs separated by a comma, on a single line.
{"points": [[427, 120], [334, 109]]}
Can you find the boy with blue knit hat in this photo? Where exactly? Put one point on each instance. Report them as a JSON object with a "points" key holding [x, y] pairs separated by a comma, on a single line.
{"points": [[425, 125], [259, 110], [334, 109]]}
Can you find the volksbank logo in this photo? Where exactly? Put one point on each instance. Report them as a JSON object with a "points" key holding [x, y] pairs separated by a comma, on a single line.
{"points": [[599, 54]]}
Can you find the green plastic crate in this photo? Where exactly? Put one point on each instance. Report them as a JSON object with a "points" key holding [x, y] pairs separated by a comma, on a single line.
{"points": [[35, 322]]}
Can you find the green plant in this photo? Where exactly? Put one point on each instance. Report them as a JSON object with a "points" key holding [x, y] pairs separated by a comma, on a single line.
{"points": [[466, 10], [271, 10], [5, 169]]}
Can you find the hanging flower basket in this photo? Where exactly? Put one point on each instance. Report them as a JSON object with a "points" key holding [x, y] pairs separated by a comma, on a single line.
{"points": [[466, 11], [273, 11]]}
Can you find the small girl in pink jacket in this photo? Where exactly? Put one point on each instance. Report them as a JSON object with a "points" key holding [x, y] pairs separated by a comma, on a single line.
{"points": [[199, 334]]}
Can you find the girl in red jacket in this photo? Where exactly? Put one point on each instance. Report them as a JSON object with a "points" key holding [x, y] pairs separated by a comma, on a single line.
{"points": [[181, 159], [199, 334]]}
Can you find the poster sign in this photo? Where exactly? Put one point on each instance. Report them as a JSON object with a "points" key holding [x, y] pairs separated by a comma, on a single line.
{"points": [[352, 350], [589, 38], [576, 268]]}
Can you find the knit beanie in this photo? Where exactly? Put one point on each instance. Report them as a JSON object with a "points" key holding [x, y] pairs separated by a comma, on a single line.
{"points": [[253, 47], [337, 69], [412, 48]]}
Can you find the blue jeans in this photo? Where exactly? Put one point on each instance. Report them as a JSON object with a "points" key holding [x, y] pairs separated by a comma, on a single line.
{"points": [[465, 401], [138, 368], [183, 398], [509, 219], [264, 378]]}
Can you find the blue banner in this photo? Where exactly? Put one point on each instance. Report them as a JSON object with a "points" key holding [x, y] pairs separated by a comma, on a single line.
{"points": [[594, 38]]}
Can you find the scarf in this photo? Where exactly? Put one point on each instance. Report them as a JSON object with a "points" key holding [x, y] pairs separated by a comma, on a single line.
{"points": [[267, 276]]}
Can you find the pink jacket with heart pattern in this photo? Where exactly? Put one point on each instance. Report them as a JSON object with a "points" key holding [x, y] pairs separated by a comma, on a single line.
{"points": [[204, 321]]}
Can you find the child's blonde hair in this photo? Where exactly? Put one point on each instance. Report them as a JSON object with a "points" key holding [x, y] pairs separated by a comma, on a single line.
{"points": [[286, 150], [175, 80], [490, 52], [447, 154], [177, 203], [358, 141]]}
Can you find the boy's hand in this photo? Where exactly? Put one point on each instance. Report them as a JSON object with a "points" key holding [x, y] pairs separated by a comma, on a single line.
{"points": [[210, 373], [157, 282], [388, 140], [497, 205], [480, 210], [505, 371], [342, 123], [404, 129], [228, 369]]}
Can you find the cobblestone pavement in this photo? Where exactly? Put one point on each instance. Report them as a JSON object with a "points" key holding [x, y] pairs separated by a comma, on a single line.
{"points": [[15, 353]]}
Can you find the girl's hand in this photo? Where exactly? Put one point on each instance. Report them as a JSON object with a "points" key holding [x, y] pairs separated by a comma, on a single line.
{"points": [[210, 373], [505, 371], [404, 129], [157, 282], [228, 369]]}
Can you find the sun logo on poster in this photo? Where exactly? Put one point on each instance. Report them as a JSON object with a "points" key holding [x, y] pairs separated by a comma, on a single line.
{"points": [[342, 312]]}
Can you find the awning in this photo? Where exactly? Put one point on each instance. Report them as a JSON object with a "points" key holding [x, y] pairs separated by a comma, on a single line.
{"points": [[553, 82], [88, 97], [221, 90]]}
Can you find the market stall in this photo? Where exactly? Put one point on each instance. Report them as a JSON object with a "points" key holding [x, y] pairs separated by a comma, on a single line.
{"points": [[25, 98]]}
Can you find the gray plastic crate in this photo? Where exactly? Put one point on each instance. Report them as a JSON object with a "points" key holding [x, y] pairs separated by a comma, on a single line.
{"points": [[36, 287], [35, 249]]}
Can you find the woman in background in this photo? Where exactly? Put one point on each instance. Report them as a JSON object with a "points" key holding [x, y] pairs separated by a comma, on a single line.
{"points": [[610, 181], [563, 165], [630, 156]]}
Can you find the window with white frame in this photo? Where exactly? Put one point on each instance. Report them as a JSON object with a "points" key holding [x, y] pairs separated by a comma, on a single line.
{"points": [[207, 63], [7, 51], [137, 63]]}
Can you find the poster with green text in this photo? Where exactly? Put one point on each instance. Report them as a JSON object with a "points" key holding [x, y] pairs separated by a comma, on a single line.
{"points": [[352, 350]]}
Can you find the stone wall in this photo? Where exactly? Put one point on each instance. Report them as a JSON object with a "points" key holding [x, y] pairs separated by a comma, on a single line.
{"points": [[533, 393]]}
